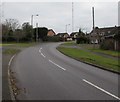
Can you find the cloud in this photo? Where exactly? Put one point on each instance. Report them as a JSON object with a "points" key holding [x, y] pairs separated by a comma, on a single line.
{"points": [[56, 15]]}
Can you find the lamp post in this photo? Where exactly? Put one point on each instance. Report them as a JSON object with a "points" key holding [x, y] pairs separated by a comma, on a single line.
{"points": [[36, 31], [32, 19], [66, 27], [36, 25]]}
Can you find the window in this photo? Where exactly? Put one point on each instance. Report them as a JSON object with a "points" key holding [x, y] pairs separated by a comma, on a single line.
{"points": [[108, 31]]}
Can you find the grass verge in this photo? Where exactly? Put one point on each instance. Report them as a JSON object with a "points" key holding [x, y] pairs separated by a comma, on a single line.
{"points": [[91, 58], [24, 44], [6, 44], [11, 51], [68, 44], [108, 52]]}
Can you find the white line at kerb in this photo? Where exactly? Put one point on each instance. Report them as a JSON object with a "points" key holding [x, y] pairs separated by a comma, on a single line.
{"points": [[57, 65], [11, 60], [101, 89]]}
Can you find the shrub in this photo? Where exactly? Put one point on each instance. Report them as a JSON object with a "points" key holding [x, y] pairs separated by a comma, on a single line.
{"points": [[107, 45], [82, 39], [53, 38]]}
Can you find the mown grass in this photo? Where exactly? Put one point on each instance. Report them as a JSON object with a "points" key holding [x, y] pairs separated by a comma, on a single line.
{"points": [[95, 48], [6, 44], [108, 52], [68, 44], [11, 51], [91, 58]]}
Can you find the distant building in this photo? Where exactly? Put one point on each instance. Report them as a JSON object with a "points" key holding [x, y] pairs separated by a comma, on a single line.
{"points": [[100, 34], [65, 35], [74, 35], [51, 33], [106, 34]]}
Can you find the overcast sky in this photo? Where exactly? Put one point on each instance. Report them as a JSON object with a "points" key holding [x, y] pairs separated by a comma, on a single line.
{"points": [[55, 15]]}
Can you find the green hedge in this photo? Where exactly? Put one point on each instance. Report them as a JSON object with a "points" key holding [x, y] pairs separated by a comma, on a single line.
{"points": [[53, 38]]}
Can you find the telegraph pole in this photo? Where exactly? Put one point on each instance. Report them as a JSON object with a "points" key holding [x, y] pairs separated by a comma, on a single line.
{"points": [[93, 26], [72, 16], [93, 18]]}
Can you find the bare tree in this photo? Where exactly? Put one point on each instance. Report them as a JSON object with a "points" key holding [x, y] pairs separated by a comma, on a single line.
{"points": [[12, 24]]}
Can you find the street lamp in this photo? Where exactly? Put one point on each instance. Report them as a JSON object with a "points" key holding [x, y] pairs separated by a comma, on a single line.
{"points": [[32, 19], [66, 27]]}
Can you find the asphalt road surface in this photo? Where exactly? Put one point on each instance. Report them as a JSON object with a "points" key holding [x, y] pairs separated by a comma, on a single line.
{"points": [[46, 74]]}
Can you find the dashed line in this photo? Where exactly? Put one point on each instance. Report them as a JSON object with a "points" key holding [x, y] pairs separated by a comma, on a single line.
{"points": [[41, 52], [43, 55], [57, 65], [101, 89]]}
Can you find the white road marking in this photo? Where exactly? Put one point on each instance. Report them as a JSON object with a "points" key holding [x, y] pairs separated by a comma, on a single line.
{"points": [[11, 60], [11, 91], [43, 55], [101, 89], [41, 52], [57, 65]]}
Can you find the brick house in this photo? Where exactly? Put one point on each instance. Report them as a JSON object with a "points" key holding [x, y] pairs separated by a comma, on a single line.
{"points": [[107, 34], [51, 33], [74, 35], [65, 35]]}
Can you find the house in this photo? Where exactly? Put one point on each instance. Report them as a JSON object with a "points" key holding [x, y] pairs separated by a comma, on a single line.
{"points": [[99, 34], [107, 34], [74, 35], [65, 35], [51, 33]]}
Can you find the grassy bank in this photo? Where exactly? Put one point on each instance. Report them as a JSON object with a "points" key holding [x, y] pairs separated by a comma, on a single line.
{"points": [[91, 58]]}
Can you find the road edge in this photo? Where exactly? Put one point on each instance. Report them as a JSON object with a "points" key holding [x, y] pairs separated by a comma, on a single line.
{"points": [[9, 81], [104, 68]]}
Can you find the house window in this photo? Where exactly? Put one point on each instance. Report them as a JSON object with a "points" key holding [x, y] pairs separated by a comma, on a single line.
{"points": [[108, 31]]}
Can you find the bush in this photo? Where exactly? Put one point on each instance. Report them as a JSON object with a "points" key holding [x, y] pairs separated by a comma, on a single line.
{"points": [[82, 39], [107, 45]]}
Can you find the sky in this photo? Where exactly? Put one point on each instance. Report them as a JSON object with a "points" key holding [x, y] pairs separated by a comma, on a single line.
{"points": [[56, 15]]}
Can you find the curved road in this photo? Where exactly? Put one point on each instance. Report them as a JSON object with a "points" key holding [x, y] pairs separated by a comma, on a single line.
{"points": [[46, 74]]}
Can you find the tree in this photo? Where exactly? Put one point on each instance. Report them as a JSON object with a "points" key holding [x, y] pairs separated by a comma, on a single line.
{"points": [[12, 24], [42, 33], [27, 31], [8, 28]]}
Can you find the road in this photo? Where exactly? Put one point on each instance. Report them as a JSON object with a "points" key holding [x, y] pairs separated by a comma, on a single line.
{"points": [[46, 74]]}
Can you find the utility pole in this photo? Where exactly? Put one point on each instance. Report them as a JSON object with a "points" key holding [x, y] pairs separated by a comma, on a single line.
{"points": [[93, 26], [36, 31], [93, 18], [66, 27], [72, 16]]}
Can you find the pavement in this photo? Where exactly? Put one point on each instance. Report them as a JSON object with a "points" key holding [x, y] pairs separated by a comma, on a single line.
{"points": [[4, 60], [43, 73]]}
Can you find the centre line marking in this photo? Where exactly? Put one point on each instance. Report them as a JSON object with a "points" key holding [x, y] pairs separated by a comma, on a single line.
{"points": [[101, 89], [41, 52], [57, 65], [43, 55]]}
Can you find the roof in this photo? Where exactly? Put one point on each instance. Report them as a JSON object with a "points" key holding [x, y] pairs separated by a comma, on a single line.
{"points": [[62, 33], [51, 30], [106, 31]]}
